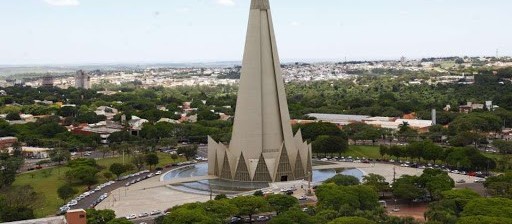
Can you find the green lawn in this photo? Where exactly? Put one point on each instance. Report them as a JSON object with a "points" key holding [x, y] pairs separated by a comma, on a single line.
{"points": [[360, 151], [363, 151], [494, 156], [47, 181]]}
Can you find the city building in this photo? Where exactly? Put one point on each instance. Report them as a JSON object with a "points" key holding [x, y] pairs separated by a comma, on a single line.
{"points": [[82, 80], [47, 81], [103, 128], [77, 216], [33, 152], [262, 147], [6, 142], [392, 123]]}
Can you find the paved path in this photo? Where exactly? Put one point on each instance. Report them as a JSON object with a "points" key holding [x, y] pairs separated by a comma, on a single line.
{"points": [[156, 182], [149, 195]]}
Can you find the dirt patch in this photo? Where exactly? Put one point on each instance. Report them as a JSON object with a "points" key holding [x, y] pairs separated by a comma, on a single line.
{"points": [[416, 210]]}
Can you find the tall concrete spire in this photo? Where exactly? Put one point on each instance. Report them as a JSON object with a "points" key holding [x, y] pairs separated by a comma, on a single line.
{"points": [[260, 4], [262, 147]]}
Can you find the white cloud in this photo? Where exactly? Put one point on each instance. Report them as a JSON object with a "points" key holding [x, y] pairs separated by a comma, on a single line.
{"points": [[226, 2], [63, 2]]}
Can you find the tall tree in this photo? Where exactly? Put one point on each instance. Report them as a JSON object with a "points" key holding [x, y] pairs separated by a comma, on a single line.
{"points": [[138, 161], [406, 188], [117, 169], [100, 216], [281, 203], [60, 155], [66, 192], [82, 175], [377, 182], [188, 151], [9, 166], [151, 160], [343, 180], [250, 205]]}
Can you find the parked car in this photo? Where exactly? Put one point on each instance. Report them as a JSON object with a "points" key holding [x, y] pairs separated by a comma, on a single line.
{"points": [[132, 216], [235, 219], [262, 218], [479, 180], [156, 212]]}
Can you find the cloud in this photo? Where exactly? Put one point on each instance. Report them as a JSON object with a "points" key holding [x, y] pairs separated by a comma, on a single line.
{"points": [[226, 2], [63, 2]]}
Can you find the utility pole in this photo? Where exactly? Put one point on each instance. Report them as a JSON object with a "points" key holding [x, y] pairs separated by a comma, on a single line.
{"points": [[309, 183], [210, 188], [394, 174]]}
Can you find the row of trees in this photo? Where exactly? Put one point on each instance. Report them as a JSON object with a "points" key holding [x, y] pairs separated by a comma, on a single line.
{"points": [[447, 206], [47, 132], [466, 158], [326, 138], [337, 97], [464, 206], [351, 204]]}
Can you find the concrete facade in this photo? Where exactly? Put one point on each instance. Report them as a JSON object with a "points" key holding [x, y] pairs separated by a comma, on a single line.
{"points": [[262, 147], [82, 80]]}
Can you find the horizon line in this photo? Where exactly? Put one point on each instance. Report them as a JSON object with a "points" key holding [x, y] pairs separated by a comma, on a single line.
{"points": [[236, 62]]}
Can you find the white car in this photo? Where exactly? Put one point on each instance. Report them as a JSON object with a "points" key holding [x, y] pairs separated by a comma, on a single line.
{"points": [[72, 203], [156, 212], [64, 208], [158, 173], [480, 180], [262, 218], [132, 216], [144, 214]]}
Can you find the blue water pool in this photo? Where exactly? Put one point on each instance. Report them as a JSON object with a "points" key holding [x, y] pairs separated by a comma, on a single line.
{"points": [[218, 186]]}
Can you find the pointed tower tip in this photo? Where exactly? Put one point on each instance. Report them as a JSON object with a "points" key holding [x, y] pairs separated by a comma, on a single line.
{"points": [[260, 4]]}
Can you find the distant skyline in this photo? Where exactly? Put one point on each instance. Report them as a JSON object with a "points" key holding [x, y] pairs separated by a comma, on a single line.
{"points": [[59, 32]]}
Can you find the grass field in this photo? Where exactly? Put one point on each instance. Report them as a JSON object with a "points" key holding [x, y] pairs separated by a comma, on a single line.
{"points": [[47, 181], [494, 156], [370, 152], [363, 151]]}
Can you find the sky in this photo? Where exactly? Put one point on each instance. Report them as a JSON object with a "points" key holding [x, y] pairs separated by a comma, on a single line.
{"points": [[59, 32]]}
